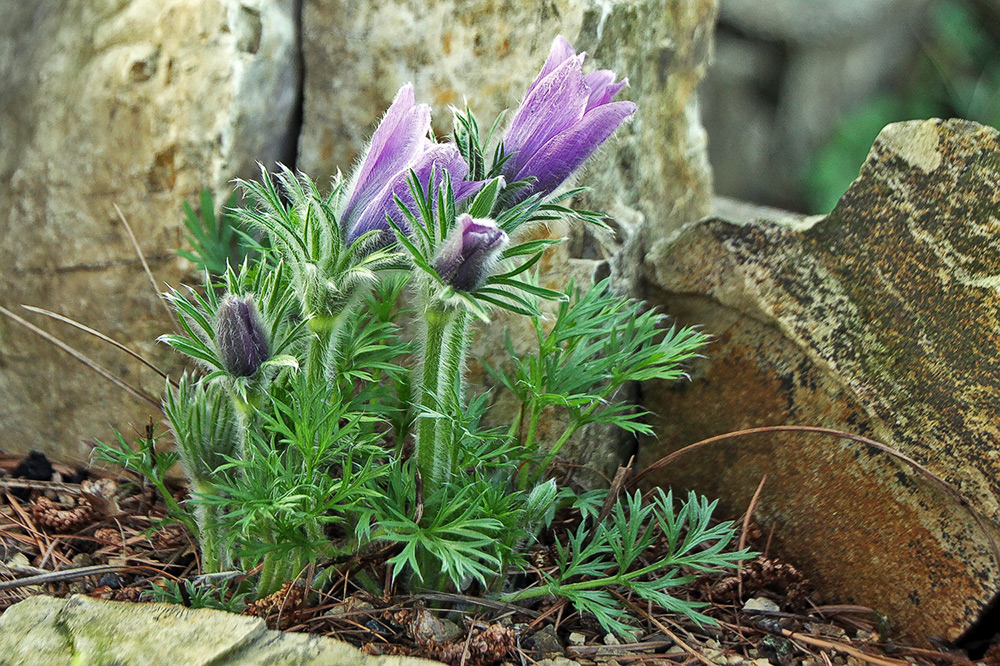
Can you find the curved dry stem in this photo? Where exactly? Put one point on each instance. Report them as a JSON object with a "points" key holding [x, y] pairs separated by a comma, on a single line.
{"points": [[93, 365], [830, 432], [100, 336], [142, 259]]}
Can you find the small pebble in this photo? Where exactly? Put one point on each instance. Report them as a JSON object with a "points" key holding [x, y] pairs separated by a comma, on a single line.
{"points": [[577, 638], [761, 604], [19, 560], [83, 560], [112, 580], [547, 641], [558, 661]]}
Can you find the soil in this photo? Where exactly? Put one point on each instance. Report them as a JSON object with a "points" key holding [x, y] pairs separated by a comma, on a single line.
{"points": [[75, 531]]}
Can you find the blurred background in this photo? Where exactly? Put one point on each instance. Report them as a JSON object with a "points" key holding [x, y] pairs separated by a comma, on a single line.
{"points": [[800, 88]]}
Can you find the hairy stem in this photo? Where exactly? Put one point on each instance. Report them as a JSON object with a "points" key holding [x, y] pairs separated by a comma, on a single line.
{"points": [[213, 558], [327, 331], [441, 389], [529, 443]]}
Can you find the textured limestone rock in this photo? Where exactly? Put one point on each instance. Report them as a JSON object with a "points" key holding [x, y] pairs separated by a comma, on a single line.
{"points": [[879, 319], [357, 54], [651, 178], [44, 631], [139, 103]]}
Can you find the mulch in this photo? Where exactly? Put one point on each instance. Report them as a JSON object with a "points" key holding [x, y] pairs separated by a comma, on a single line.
{"points": [[73, 531]]}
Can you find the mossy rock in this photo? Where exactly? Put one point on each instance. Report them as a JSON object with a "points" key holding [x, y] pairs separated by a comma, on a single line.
{"points": [[79, 630]]}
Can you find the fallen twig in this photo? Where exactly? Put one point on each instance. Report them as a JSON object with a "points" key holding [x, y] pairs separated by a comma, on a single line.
{"points": [[923, 471], [476, 601], [842, 647], [65, 574], [93, 365]]}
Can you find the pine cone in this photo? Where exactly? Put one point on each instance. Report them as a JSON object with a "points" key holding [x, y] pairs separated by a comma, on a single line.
{"points": [[133, 594], [280, 608], [488, 645], [49, 516], [758, 575]]}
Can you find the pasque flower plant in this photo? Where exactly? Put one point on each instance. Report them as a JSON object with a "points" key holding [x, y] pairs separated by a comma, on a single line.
{"points": [[564, 117], [335, 414], [400, 145]]}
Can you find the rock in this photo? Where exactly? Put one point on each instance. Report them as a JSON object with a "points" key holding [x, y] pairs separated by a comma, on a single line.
{"points": [[425, 627], [356, 60], [807, 21], [880, 320], [138, 103], [761, 604], [546, 641], [358, 54], [43, 631]]}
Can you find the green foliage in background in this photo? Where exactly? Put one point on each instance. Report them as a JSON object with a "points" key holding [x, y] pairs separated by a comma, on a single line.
{"points": [[956, 75], [217, 237]]}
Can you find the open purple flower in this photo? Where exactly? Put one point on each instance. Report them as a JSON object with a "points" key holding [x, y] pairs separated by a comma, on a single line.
{"points": [[468, 254], [400, 145], [564, 118], [240, 337]]}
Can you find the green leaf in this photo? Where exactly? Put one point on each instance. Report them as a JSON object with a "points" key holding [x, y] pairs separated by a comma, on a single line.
{"points": [[482, 205]]}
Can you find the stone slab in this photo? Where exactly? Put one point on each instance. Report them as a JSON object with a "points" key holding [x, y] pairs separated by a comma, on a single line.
{"points": [[880, 320], [45, 631]]}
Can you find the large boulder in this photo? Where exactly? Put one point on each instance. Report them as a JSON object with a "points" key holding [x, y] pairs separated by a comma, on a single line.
{"points": [[358, 54], [42, 631], [139, 103], [879, 319]]}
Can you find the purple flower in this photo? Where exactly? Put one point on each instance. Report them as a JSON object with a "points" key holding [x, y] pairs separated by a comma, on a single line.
{"points": [[400, 144], [240, 337], [467, 256], [564, 118]]}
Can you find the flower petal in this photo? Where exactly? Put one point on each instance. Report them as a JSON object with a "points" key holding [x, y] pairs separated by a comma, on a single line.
{"points": [[561, 156], [602, 87], [468, 254], [561, 51], [398, 140], [553, 106], [436, 159]]}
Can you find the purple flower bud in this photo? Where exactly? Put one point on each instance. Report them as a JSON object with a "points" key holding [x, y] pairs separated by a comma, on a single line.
{"points": [[564, 118], [400, 144], [240, 337], [468, 254]]}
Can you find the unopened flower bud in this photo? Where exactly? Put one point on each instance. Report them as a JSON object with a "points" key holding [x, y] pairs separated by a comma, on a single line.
{"points": [[468, 254], [240, 336]]}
